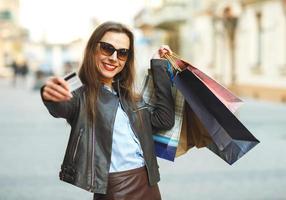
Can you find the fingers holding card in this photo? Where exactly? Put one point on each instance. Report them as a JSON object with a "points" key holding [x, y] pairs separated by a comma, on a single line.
{"points": [[73, 81], [59, 89]]}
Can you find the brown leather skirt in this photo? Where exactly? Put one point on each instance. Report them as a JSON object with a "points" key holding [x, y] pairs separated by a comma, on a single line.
{"points": [[130, 185]]}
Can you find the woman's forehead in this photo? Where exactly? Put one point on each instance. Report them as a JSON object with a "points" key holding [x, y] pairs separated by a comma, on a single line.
{"points": [[118, 40]]}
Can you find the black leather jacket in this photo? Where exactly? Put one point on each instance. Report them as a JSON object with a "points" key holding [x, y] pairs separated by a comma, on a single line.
{"points": [[88, 154]]}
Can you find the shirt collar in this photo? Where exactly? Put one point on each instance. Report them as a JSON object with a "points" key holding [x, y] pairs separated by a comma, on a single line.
{"points": [[110, 89]]}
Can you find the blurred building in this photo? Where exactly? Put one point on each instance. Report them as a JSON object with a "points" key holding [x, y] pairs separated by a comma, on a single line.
{"points": [[241, 43], [54, 58], [12, 36], [47, 59]]}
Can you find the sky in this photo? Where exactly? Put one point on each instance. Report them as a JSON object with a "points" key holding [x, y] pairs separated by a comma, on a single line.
{"points": [[61, 21]]}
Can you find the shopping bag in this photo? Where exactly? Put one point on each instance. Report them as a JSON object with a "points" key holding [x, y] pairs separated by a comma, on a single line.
{"points": [[230, 138], [231, 101], [193, 133], [183, 144], [166, 142]]}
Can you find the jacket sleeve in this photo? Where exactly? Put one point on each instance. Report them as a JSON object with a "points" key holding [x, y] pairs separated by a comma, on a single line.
{"points": [[64, 110], [163, 115]]}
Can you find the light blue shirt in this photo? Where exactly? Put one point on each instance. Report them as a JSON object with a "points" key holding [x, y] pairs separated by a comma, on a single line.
{"points": [[126, 151]]}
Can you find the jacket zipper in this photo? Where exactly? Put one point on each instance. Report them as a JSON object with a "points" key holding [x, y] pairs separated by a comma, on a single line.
{"points": [[148, 172], [77, 143], [92, 161], [143, 107], [92, 158]]}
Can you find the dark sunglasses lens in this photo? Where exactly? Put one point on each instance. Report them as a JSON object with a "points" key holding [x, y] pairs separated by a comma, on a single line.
{"points": [[122, 54], [107, 49]]}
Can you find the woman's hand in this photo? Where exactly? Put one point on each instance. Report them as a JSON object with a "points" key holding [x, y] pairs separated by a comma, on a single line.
{"points": [[160, 53], [56, 89]]}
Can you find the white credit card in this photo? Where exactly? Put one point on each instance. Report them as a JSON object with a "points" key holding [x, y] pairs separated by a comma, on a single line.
{"points": [[73, 81]]}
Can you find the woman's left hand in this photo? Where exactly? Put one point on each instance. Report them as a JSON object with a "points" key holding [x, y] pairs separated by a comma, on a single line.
{"points": [[160, 53]]}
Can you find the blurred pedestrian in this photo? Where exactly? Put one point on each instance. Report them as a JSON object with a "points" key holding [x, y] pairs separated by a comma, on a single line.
{"points": [[111, 151], [15, 69], [20, 72], [23, 69], [68, 67]]}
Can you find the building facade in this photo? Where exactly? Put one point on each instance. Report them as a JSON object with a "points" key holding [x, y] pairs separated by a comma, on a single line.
{"points": [[240, 43], [12, 36]]}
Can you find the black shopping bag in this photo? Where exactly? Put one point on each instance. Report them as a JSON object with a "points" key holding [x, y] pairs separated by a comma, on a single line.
{"points": [[231, 139]]}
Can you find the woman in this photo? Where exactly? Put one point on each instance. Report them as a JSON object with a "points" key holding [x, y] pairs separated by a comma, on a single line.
{"points": [[110, 150]]}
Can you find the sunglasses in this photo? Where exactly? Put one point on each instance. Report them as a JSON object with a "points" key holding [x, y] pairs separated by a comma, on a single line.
{"points": [[108, 50]]}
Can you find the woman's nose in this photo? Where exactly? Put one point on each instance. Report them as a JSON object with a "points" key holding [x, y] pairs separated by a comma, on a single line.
{"points": [[113, 56]]}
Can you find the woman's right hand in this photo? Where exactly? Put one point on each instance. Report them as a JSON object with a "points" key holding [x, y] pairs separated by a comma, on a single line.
{"points": [[56, 89]]}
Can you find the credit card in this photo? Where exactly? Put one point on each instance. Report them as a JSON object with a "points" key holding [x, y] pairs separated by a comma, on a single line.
{"points": [[73, 81]]}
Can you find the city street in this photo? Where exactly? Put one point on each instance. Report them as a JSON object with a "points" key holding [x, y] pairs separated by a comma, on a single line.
{"points": [[32, 146]]}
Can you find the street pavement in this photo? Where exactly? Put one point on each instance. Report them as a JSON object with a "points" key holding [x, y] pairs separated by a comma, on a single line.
{"points": [[32, 146]]}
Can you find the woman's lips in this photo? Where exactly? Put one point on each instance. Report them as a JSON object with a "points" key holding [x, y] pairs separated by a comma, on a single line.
{"points": [[109, 67]]}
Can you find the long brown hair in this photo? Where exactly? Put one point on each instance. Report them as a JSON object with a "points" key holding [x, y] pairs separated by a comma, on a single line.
{"points": [[89, 73]]}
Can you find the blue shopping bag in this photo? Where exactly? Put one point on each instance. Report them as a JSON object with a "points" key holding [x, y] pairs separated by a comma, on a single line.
{"points": [[166, 142]]}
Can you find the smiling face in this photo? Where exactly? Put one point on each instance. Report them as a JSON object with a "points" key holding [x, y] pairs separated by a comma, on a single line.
{"points": [[109, 66]]}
